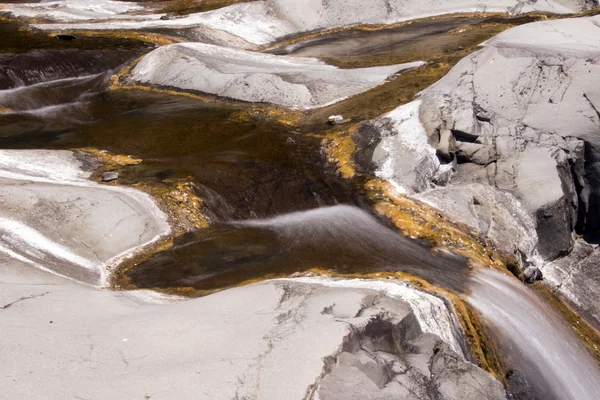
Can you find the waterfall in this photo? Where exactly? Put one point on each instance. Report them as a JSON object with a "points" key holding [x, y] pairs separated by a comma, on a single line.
{"points": [[534, 339]]}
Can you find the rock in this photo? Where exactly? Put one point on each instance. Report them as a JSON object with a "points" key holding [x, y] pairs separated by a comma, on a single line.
{"points": [[257, 77], [419, 371], [477, 153], [53, 217], [401, 151], [532, 274], [446, 147], [523, 112], [498, 215], [577, 278], [190, 347], [164, 18], [335, 119], [110, 176], [497, 101], [259, 23], [43, 66]]}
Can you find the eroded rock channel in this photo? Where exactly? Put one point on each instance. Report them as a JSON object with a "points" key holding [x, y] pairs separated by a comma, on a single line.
{"points": [[367, 177]]}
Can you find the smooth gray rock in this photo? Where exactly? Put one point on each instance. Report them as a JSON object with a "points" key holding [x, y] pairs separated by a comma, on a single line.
{"points": [[269, 340], [259, 23], [53, 217], [497, 214], [256, 77]]}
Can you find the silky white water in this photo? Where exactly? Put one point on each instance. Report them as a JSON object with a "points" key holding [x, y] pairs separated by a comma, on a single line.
{"points": [[534, 339]]}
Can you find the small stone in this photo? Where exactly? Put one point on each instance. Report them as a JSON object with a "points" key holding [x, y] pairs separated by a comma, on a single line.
{"points": [[532, 274], [335, 119], [109, 176], [164, 18]]}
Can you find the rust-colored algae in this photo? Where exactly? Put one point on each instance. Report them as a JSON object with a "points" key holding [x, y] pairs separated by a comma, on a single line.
{"points": [[144, 37], [419, 220]]}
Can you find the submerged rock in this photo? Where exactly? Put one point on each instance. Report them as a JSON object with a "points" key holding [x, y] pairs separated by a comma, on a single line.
{"points": [[256, 77], [110, 176]]}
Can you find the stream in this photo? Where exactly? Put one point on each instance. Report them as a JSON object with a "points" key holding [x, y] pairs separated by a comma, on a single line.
{"points": [[276, 205]]}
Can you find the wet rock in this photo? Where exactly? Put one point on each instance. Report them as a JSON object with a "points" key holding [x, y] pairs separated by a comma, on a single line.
{"points": [[48, 65], [54, 217], [532, 274], [577, 278], [256, 77], [164, 18], [335, 119], [110, 176]]}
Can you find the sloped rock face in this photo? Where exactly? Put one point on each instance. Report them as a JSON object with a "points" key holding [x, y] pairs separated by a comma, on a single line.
{"points": [[254, 77], [576, 278], [52, 217], [262, 22], [271, 340]]}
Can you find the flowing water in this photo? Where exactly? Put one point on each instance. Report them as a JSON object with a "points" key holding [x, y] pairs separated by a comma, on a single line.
{"points": [[535, 340], [275, 204], [342, 238]]}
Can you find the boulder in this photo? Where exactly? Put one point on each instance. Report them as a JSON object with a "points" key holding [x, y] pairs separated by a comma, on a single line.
{"points": [[524, 108], [523, 113]]}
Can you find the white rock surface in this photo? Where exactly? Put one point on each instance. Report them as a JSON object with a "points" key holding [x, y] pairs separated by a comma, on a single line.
{"points": [[52, 217], [256, 77], [498, 215], [404, 155], [262, 22], [74, 10], [266, 341], [523, 113]]}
